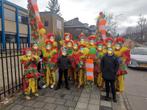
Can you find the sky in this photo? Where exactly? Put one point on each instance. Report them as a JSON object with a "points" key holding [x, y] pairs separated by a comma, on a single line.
{"points": [[87, 10]]}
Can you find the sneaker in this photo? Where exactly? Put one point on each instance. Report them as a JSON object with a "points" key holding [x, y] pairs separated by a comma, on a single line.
{"points": [[67, 88], [57, 88], [114, 100], [107, 98], [28, 97], [36, 94]]}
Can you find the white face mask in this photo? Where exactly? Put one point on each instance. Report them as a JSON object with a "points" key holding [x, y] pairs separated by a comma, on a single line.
{"points": [[35, 46], [48, 47], [82, 41], [67, 38], [91, 42], [117, 46], [100, 48], [69, 44], [28, 53], [52, 38]]}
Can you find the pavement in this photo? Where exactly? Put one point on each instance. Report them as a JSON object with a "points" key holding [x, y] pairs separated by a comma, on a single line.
{"points": [[62, 99], [136, 89]]}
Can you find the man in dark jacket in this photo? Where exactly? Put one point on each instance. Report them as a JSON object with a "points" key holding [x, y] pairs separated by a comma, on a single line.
{"points": [[63, 65], [109, 67]]}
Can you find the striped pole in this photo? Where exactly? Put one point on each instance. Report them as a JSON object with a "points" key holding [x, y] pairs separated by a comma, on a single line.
{"points": [[89, 70]]}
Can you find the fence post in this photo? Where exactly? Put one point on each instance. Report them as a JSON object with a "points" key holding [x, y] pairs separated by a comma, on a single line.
{"points": [[3, 24], [17, 29]]}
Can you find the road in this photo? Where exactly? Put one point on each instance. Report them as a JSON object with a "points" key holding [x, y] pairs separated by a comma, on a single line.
{"points": [[136, 88]]}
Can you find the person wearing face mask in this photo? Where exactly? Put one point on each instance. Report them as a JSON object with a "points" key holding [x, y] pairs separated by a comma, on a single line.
{"points": [[109, 68], [63, 66]]}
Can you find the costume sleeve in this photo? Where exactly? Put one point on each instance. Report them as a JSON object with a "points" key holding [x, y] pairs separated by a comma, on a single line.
{"points": [[102, 64], [116, 65]]}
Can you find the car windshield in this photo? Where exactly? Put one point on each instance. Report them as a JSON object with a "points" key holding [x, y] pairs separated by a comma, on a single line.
{"points": [[139, 51]]}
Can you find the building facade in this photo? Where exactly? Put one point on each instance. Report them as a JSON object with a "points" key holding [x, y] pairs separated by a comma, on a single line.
{"points": [[14, 24], [75, 27], [53, 23]]}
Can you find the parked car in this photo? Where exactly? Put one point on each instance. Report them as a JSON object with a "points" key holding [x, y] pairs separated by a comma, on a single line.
{"points": [[138, 57]]}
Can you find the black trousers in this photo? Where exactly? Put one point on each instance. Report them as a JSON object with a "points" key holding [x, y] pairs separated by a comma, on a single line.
{"points": [[61, 73], [110, 84]]}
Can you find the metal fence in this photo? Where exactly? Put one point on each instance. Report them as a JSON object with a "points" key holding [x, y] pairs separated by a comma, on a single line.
{"points": [[11, 70]]}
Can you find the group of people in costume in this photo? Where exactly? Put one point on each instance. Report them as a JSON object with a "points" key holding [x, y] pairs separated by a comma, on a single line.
{"points": [[81, 61], [84, 65]]}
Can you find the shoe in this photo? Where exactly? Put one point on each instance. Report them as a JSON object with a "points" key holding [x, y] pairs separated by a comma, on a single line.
{"points": [[57, 88], [28, 97], [36, 94], [67, 88], [107, 98], [114, 100]]}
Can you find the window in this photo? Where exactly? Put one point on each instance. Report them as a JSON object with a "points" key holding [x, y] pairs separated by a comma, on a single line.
{"points": [[23, 19], [9, 14], [23, 39], [46, 23], [10, 38]]}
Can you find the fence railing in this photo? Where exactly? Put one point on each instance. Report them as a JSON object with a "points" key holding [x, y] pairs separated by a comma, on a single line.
{"points": [[11, 70]]}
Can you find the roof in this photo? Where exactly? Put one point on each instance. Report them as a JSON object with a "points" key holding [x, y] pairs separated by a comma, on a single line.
{"points": [[75, 23]]}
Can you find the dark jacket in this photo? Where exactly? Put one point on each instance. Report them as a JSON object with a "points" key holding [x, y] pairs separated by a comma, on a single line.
{"points": [[63, 62], [109, 67]]}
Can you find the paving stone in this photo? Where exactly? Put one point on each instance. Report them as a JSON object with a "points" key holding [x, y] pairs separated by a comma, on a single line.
{"points": [[71, 108], [28, 108], [81, 105], [17, 107], [38, 104], [29, 103], [40, 98], [76, 98], [67, 92], [70, 103], [85, 95], [49, 107], [94, 96], [105, 108], [19, 101], [69, 97], [105, 103], [61, 108], [50, 94], [50, 100], [93, 107], [60, 101], [83, 100], [94, 101]]}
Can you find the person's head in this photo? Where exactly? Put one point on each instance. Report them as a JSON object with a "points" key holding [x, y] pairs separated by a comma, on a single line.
{"points": [[64, 52], [110, 51]]}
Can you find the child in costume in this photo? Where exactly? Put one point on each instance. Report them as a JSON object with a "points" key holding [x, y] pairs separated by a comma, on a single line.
{"points": [[30, 73]]}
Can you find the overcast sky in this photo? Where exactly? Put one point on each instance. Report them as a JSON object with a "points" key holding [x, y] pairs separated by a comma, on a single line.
{"points": [[87, 10]]}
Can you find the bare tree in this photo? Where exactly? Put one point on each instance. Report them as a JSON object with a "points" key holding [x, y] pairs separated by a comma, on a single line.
{"points": [[142, 22], [112, 23], [54, 7]]}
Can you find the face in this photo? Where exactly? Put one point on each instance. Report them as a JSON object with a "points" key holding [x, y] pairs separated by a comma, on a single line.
{"points": [[110, 51], [82, 41], [35, 46], [117, 46], [64, 53], [28, 53], [75, 46], [67, 38], [69, 44], [52, 38], [92, 42], [48, 47], [109, 44], [100, 47]]}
